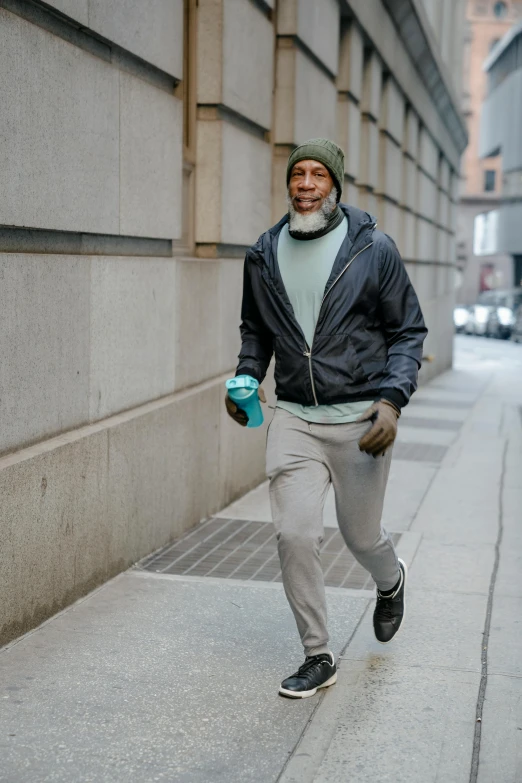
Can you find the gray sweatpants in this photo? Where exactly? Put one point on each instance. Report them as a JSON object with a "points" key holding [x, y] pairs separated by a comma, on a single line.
{"points": [[302, 460]]}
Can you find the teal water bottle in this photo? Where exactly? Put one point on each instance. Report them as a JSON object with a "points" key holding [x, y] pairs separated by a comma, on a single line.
{"points": [[242, 390]]}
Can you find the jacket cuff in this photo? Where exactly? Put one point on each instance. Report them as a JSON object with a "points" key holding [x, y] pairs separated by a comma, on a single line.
{"points": [[393, 396], [249, 371]]}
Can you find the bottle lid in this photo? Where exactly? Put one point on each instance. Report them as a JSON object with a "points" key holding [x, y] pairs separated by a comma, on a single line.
{"points": [[242, 382]]}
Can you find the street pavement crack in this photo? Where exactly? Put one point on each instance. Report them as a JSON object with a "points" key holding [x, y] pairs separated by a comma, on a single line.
{"points": [[475, 758]]}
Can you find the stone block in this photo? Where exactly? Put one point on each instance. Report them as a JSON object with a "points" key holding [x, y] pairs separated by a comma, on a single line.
{"points": [[444, 174], [163, 469], [426, 241], [411, 140], [443, 212], [350, 193], [68, 177], [279, 189], [152, 30], [230, 296], [56, 537], [425, 279], [197, 321], [285, 98], [208, 180], [410, 183], [313, 88], [392, 110], [372, 84], [246, 209], [210, 51], [248, 61], [428, 196], [316, 24], [351, 56], [369, 166], [75, 9], [442, 249], [368, 201], [390, 168], [44, 344], [151, 157], [133, 322], [428, 154], [349, 134], [408, 234], [389, 218]]}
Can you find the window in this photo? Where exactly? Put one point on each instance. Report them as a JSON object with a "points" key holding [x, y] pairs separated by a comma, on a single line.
{"points": [[489, 179], [500, 10]]}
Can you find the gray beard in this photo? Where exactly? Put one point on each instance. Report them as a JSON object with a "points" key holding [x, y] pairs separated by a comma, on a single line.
{"points": [[305, 223]]}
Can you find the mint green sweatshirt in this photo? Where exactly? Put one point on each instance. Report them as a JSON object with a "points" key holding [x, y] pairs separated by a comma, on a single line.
{"points": [[305, 267]]}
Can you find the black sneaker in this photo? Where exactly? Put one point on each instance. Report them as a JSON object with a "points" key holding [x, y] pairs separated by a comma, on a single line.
{"points": [[389, 610], [318, 671]]}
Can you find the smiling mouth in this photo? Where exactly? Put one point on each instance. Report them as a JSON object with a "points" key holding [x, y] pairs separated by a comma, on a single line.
{"points": [[305, 201]]}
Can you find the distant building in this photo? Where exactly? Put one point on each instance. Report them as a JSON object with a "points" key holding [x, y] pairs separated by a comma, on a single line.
{"points": [[482, 265], [502, 135]]}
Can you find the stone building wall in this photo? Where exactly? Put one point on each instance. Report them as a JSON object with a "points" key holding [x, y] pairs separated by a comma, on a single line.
{"points": [[143, 146]]}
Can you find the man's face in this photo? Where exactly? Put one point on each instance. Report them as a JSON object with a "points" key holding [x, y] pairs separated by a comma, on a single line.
{"points": [[310, 183]]}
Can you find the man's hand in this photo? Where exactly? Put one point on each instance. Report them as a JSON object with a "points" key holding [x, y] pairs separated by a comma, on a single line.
{"points": [[384, 416], [236, 413]]}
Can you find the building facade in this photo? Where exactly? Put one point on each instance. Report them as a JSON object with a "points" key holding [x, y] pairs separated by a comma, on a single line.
{"points": [[143, 147], [481, 266], [502, 134]]}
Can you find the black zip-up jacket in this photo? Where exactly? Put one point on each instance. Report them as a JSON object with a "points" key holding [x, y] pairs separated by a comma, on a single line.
{"points": [[368, 339]]}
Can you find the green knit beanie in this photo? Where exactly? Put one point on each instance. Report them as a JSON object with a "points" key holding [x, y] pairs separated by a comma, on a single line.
{"points": [[324, 151]]}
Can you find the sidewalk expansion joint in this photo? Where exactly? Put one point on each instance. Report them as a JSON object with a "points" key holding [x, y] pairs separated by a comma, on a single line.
{"points": [[475, 758]]}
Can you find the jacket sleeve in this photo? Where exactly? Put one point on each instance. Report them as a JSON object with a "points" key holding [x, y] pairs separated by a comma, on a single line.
{"points": [[403, 327], [256, 341]]}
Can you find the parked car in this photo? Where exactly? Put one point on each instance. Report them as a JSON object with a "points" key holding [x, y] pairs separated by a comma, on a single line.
{"points": [[501, 317], [516, 332], [478, 315], [494, 313], [460, 317]]}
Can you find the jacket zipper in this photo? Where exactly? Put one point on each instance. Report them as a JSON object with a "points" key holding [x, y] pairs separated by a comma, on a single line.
{"points": [[308, 352]]}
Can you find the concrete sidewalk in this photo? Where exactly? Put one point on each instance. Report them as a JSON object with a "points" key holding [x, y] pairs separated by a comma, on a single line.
{"points": [[173, 677]]}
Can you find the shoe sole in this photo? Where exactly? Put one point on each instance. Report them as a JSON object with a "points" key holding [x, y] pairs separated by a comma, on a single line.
{"points": [[404, 613], [306, 694]]}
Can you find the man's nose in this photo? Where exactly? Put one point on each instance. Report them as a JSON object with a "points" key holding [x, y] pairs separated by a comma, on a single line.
{"points": [[307, 182]]}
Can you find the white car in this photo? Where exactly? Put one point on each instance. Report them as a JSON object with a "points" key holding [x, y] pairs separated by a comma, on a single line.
{"points": [[460, 317]]}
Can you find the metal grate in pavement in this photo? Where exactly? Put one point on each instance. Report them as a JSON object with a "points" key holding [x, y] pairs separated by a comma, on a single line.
{"points": [[241, 549], [435, 403], [430, 424], [419, 452]]}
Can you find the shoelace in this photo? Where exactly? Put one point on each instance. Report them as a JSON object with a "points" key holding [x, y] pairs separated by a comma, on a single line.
{"points": [[310, 663], [385, 608]]}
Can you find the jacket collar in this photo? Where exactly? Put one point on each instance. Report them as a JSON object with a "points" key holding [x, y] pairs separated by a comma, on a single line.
{"points": [[360, 229]]}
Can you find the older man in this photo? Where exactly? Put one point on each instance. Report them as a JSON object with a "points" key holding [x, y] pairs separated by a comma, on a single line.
{"points": [[329, 295]]}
